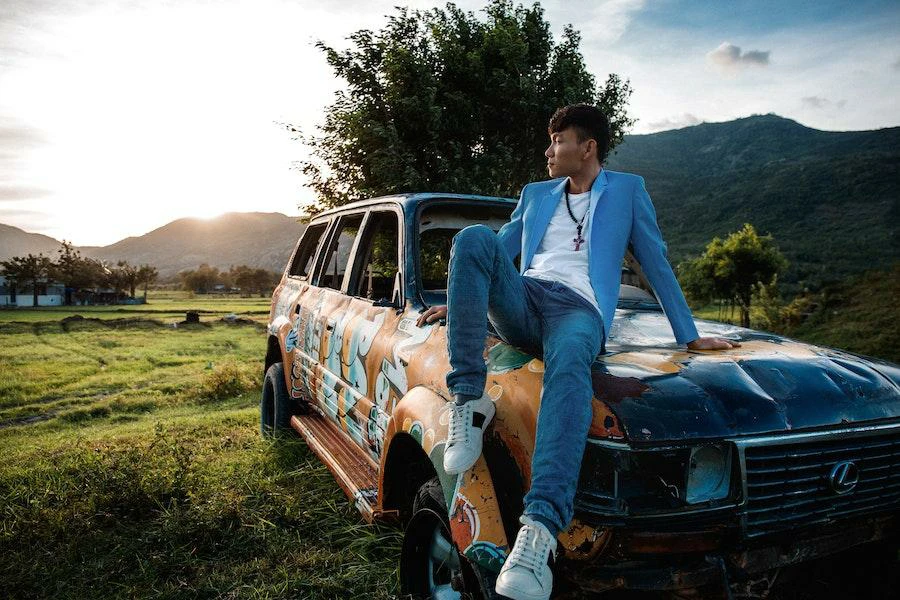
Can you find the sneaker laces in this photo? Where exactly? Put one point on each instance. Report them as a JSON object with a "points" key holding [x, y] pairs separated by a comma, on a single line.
{"points": [[460, 417], [530, 549]]}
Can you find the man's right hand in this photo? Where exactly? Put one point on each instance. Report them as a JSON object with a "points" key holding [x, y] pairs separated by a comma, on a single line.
{"points": [[435, 313]]}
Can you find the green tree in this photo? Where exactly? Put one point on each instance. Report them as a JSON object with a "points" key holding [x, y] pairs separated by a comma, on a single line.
{"points": [[128, 275], [74, 271], [264, 281], [146, 275], [114, 279], [243, 277], [252, 280], [29, 269], [732, 268], [767, 306], [443, 101], [202, 280]]}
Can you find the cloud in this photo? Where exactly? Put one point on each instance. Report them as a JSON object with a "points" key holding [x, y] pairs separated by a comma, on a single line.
{"points": [[12, 214], [817, 102], [17, 141], [676, 122], [14, 192], [18, 136], [896, 65], [755, 57], [729, 57], [614, 15], [813, 102]]}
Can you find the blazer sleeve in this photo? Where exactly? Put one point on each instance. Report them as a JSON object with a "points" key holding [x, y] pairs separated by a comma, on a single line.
{"points": [[511, 233], [650, 251]]}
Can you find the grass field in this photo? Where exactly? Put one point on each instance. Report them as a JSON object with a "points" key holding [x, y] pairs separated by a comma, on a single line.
{"points": [[161, 305], [858, 315], [133, 468]]}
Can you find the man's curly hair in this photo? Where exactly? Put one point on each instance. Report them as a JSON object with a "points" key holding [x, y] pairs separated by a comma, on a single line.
{"points": [[589, 123]]}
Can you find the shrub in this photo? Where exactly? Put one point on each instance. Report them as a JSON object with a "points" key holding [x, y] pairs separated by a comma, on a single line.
{"points": [[225, 381]]}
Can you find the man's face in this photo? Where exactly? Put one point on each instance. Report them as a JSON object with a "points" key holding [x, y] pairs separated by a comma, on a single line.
{"points": [[565, 155]]}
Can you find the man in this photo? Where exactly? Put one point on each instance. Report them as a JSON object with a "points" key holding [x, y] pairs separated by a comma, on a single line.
{"points": [[571, 232]]}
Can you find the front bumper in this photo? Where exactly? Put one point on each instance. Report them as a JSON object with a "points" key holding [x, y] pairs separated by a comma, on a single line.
{"points": [[783, 509], [640, 560]]}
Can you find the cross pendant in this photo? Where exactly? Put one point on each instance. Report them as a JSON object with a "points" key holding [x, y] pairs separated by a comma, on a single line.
{"points": [[578, 240]]}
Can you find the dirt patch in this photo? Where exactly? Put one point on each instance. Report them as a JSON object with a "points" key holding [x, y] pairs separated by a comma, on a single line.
{"points": [[79, 323], [30, 419], [235, 320], [76, 323]]}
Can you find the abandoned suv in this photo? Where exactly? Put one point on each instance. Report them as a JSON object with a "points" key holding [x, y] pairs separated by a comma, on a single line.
{"points": [[703, 470]]}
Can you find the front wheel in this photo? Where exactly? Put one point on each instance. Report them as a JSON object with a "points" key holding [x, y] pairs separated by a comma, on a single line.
{"points": [[430, 565], [276, 407]]}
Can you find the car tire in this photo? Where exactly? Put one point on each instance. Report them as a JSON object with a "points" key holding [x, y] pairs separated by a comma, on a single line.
{"points": [[430, 564], [276, 407]]}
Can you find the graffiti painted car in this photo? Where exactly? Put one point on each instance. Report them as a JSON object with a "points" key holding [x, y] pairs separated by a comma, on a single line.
{"points": [[703, 470]]}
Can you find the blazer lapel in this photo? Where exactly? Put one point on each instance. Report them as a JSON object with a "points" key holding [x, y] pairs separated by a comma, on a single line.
{"points": [[597, 190], [542, 220]]}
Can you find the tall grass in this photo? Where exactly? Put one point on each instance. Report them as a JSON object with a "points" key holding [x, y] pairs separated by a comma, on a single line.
{"points": [[132, 467]]}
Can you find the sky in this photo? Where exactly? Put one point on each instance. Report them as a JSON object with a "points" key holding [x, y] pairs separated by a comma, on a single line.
{"points": [[117, 117]]}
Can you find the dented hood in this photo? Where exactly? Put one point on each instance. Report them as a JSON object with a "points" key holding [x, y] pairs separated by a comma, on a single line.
{"points": [[661, 392]]}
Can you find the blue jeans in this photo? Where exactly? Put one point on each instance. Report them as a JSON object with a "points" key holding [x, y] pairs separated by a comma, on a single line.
{"points": [[547, 319]]}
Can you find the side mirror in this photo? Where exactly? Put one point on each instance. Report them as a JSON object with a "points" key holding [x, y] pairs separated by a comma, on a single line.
{"points": [[396, 295], [397, 292]]}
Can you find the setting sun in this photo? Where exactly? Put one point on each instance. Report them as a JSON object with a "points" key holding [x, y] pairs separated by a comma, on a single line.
{"points": [[145, 122]]}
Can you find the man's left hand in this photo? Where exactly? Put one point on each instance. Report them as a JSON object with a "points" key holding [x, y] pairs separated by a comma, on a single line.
{"points": [[712, 343]]}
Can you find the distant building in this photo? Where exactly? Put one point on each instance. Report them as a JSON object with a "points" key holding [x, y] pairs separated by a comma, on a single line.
{"points": [[50, 293]]}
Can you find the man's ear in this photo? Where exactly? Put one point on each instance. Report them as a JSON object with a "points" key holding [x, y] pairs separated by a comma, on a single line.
{"points": [[590, 149]]}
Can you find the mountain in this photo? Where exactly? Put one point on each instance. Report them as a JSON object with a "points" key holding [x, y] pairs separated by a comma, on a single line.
{"points": [[830, 199], [16, 242], [256, 239]]}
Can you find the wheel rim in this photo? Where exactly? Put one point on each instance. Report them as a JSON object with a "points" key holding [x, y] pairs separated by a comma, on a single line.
{"points": [[443, 564], [430, 560]]}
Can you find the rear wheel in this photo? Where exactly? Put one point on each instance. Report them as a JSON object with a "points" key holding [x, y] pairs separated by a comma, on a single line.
{"points": [[276, 407], [430, 565]]}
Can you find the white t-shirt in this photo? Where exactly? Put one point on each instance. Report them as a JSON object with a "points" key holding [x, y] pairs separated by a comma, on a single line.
{"points": [[556, 258]]}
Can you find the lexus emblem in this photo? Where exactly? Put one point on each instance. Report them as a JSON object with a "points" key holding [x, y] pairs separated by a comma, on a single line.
{"points": [[843, 477]]}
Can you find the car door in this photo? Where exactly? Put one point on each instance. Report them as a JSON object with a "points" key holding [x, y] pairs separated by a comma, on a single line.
{"points": [[359, 300], [296, 300], [375, 290], [328, 316]]}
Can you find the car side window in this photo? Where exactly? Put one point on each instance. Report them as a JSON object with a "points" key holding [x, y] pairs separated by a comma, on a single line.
{"points": [[306, 250], [338, 255], [378, 263]]}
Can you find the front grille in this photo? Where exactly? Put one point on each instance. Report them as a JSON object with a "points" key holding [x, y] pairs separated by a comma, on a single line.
{"points": [[788, 485]]}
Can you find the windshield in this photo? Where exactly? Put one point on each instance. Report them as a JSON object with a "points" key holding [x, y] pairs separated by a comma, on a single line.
{"points": [[440, 222]]}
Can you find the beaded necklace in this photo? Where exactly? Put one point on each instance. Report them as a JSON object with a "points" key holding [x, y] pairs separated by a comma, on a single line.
{"points": [[578, 224]]}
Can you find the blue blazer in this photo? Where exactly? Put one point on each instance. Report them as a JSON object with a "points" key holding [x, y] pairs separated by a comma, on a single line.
{"points": [[621, 212]]}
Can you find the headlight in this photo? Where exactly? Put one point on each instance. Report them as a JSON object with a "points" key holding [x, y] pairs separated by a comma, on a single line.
{"points": [[617, 480], [708, 474]]}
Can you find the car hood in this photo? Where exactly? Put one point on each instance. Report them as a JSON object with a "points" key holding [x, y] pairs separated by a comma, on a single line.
{"points": [[662, 392]]}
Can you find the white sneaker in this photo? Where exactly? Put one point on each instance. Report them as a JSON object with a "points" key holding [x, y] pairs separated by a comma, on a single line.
{"points": [[526, 573], [464, 433]]}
